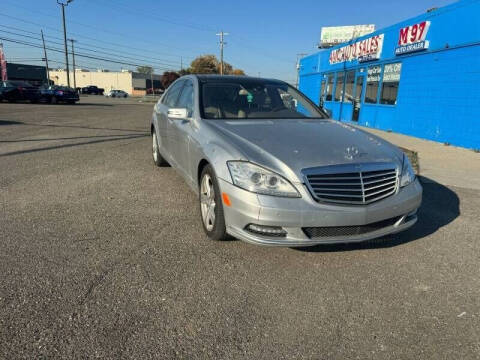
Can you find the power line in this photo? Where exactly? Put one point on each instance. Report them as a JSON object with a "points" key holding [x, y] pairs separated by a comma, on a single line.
{"points": [[191, 25], [123, 35], [16, 41], [86, 37], [94, 51]]}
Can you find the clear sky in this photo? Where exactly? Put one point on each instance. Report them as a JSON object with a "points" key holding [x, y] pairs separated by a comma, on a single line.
{"points": [[265, 36]]}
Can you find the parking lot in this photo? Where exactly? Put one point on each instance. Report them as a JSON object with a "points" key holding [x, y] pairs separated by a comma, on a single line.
{"points": [[102, 254]]}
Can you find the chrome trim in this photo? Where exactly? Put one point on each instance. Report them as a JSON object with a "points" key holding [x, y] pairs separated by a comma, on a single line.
{"points": [[358, 184]]}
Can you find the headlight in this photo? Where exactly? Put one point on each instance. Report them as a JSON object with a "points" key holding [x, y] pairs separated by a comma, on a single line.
{"points": [[408, 175], [256, 179]]}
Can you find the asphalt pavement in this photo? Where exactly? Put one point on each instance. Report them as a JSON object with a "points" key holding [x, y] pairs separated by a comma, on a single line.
{"points": [[102, 255]]}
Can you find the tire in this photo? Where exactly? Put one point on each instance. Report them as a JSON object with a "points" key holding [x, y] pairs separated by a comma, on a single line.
{"points": [[157, 157], [53, 100], [211, 206], [71, 102]]}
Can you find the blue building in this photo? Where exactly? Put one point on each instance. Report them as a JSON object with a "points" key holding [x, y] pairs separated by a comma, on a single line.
{"points": [[420, 77]]}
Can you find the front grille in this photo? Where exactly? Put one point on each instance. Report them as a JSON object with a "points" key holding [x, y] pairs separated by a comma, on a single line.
{"points": [[337, 231], [366, 184]]}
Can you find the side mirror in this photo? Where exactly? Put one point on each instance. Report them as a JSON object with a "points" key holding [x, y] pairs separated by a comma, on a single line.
{"points": [[178, 113]]}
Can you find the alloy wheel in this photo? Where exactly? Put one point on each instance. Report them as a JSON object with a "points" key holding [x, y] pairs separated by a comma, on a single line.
{"points": [[154, 147], [207, 199]]}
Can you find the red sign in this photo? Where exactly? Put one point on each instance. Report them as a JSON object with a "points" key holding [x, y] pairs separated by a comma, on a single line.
{"points": [[3, 64], [363, 50], [414, 33]]}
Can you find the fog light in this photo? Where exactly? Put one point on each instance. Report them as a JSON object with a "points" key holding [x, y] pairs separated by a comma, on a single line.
{"points": [[266, 230]]}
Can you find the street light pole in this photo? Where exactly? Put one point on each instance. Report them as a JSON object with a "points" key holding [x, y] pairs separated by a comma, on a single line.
{"points": [[299, 56], [63, 4]]}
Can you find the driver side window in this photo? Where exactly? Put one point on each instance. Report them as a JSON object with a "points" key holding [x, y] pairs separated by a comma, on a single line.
{"points": [[171, 96], [186, 99]]}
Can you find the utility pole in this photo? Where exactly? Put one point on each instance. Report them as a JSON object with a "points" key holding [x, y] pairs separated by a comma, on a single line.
{"points": [[151, 80], [222, 44], [299, 56], [46, 59], [181, 63], [63, 4], [73, 63]]}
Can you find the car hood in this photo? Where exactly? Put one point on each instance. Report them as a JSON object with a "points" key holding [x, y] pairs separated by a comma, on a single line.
{"points": [[290, 145]]}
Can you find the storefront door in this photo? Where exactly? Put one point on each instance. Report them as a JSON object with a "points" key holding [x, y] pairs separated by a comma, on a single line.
{"points": [[357, 100]]}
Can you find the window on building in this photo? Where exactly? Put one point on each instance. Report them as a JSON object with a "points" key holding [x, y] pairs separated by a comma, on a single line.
{"points": [[359, 88], [349, 81], [329, 96], [339, 87], [322, 91], [391, 79], [373, 79]]}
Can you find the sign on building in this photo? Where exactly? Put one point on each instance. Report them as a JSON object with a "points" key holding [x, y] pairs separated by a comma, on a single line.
{"points": [[412, 38], [391, 73], [334, 35], [3, 64], [364, 50]]}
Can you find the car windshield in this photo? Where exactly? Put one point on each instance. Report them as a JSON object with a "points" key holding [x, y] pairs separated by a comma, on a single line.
{"points": [[255, 99]]}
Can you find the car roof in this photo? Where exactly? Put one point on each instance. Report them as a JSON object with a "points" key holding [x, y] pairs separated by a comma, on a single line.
{"points": [[235, 78]]}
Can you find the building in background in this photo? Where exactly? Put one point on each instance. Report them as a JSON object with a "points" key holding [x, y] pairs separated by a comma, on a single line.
{"points": [[34, 74], [133, 83], [419, 77]]}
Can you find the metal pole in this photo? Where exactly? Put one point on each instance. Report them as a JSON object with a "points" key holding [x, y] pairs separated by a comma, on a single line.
{"points": [[153, 88], [221, 53], [46, 59], [299, 57], [65, 42], [222, 43], [73, 63]]}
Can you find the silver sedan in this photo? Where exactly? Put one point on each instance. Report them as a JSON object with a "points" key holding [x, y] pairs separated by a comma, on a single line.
{"points": [[270, 168]]}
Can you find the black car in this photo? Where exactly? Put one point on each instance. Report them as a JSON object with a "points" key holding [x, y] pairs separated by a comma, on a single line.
{"points": [[54, 94], [92, 90], [13, 91]]}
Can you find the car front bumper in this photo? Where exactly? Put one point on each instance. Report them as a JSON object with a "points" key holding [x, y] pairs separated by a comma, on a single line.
{"points": [[295, 214]]}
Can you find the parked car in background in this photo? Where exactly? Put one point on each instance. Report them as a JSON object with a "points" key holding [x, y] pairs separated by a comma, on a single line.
{"points": [[116, 94], [56, 94], [150, 91], [14, 90], [271, 168], [92, 90]]}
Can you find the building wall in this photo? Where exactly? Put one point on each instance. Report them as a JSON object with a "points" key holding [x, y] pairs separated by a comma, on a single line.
{"points": [[131, 82], [105, 80], [438, 95]]}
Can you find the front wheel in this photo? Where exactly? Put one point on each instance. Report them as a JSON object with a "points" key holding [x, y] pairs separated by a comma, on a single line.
{"points": [[211, 208]]}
